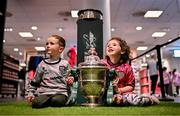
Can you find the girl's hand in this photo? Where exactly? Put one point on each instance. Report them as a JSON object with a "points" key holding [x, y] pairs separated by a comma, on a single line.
{"points": [[70, 80], [115, 86], [117, 90], [115, 82]]}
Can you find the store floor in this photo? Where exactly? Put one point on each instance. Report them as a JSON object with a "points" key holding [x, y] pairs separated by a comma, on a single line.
{"points": [[22, 108], [9, 99]]}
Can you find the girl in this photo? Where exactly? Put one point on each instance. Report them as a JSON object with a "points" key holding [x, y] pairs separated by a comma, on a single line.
{"points": [[50, 86], [118, 55]]}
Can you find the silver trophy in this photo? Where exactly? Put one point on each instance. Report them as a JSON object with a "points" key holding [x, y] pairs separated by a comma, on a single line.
{"points": [[92, 79]]}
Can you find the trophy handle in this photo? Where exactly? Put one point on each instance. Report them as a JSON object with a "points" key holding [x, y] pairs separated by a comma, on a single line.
{"points": [[111, 73]]}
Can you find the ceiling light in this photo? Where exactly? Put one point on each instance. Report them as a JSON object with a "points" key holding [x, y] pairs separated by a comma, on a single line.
{"points": [[8, 29], [158, 34], [20, 53], [16, 49], [4, 41], [25, 34], [147, 55], [153, 14], [60, 29], [140, 48], [34, 27], [166, 29], [138, 28], [169, 40], [40, 48], [38, 38], [112, 29], [74, 13]]}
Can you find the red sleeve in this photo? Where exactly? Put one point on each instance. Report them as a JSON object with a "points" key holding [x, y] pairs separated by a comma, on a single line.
{"points": [[130, 77]]}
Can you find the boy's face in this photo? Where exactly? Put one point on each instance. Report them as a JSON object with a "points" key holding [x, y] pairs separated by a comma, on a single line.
{"points": [[113, 48], [53, 48]]}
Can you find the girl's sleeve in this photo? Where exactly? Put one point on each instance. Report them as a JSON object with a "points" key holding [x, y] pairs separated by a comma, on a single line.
{"points": [[130, 77], [35, 82]]}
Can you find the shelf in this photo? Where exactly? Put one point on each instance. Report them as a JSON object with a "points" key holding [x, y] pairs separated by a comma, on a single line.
{"points": [[11, 66], [9, 76], [11, 79]]}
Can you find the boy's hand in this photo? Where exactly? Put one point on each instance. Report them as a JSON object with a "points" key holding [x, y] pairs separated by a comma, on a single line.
{"points": [[70, 80], [30, 99]]}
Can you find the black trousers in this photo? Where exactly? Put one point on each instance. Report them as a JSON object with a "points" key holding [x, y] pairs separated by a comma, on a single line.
{"points": [[154, 79], [56, 100], [166, 88], [177, 90]]}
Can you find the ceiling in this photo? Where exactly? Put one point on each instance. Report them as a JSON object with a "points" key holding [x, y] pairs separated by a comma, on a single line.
{"points": [[126, 15]]}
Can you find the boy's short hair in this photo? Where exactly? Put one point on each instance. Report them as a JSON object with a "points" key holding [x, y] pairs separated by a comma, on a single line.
{"points": [[62, 41]]}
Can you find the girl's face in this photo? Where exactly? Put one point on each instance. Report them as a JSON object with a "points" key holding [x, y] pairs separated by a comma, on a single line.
{"points": [[53, 48], [113, 48]]}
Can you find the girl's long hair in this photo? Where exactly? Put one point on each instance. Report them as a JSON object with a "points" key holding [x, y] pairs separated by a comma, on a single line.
{"points": [[125, 48]]}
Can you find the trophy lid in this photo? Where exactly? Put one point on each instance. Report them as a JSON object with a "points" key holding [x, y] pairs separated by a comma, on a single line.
{"points": [[90, 14], [92, 61]]}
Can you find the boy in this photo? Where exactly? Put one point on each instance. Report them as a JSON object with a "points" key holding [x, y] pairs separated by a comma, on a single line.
{"points": [[50, 85]]}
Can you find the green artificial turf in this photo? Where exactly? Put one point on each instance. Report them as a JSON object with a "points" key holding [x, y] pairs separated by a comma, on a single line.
{"points": [[22, 108]]}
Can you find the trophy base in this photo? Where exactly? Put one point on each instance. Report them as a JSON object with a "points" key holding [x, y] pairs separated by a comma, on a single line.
{"points": [[91, 104]]}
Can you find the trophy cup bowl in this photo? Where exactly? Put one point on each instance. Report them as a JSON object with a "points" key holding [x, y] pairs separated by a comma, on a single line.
{"points": [[92, 83]]}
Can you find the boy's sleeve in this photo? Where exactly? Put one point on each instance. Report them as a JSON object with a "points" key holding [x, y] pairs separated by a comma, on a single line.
{"points": [[35, 82], [68, 70]]}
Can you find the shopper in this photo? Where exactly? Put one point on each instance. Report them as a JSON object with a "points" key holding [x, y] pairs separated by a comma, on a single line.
{"points": [[167, 80], [72, 56], [176, 81], [153, 72], [51, 83], [118, 55], [22, 78]]}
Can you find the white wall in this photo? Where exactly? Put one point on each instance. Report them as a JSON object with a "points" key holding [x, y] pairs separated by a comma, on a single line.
{"points": [[172, 63]]}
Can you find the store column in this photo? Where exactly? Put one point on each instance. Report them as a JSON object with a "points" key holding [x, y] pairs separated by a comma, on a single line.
{"points": [[3, 4], [104, 7], [90, 33], [106, 22]]}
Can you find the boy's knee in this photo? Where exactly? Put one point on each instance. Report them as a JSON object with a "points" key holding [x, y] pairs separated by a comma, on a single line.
{"points": [[37, 104], [59, 100], [40, 101]]}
